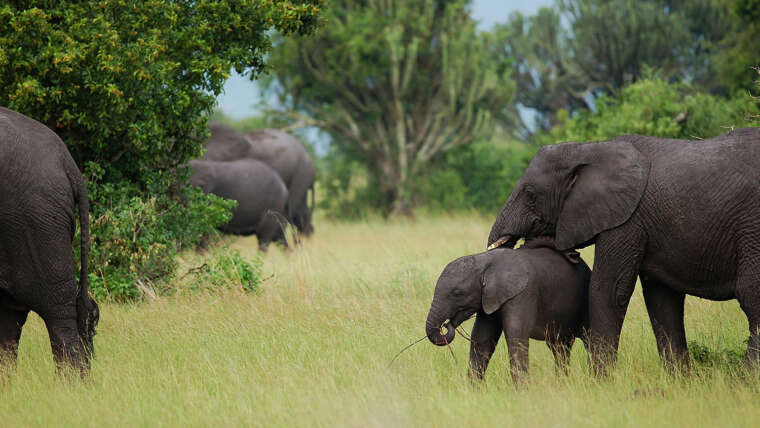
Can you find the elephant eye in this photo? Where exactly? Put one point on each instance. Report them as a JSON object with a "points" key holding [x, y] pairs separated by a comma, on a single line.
{"points": [[574, 174]]}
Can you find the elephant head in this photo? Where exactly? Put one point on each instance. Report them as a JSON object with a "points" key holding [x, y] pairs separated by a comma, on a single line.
{"points": [[572, 192], [201, 174], [472, 284]]}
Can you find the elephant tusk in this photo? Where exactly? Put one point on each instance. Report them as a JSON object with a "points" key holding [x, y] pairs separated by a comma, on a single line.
{"points": [[499, 242]]}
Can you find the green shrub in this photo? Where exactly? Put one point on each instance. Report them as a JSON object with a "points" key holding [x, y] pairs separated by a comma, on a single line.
{"points": [[344, 188], [724, 357], [229, 270], [136, 237], [657, 108], [478, 176]]}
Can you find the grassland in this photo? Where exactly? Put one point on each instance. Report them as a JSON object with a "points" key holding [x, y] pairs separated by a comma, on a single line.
{"points": [[313, 348]]}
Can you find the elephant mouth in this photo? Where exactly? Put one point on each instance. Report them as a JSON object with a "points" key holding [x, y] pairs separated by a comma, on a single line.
{"points": [[444, 334], [504, 241]]}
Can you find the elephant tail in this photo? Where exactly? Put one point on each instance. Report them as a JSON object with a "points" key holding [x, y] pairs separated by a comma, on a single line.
{"points": [[87, 310], [83, 203], [312, 198]]}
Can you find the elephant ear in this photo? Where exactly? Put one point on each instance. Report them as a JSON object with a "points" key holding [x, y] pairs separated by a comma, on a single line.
{"points": [[610, 178], [502, 280]]}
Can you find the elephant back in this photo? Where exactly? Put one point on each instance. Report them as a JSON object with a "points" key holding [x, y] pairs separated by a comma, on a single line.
{"points": [[281, 151], [225, 143], [32, 158]]}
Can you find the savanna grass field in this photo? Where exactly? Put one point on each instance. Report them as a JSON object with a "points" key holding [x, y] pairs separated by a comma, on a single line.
{"points": [[313, 348]]}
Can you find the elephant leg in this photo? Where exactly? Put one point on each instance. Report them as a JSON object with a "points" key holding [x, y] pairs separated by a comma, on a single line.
{"points": [[11, 323], [665, 308], [298, 197], [269, 229], [519, 360], [748, 294], [560, 347], [617, 258], [485, 336], [67, 345]]}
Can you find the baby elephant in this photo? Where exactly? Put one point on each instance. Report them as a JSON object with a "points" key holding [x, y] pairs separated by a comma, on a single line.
{"points": [[528, 293]]}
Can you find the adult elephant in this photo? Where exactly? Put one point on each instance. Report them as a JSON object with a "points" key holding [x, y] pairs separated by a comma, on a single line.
{"points": [[289, 158], [40, 191], [282, 152], [259, 191], [682, 215]]}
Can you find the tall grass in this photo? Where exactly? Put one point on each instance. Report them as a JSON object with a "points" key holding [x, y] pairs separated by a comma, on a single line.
{"points": [[313, 348]]}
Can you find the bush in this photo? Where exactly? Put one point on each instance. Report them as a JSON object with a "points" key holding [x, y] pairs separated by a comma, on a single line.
{"points": [[477, 176], [725, 357], [345, 189], [229, 270], [655, 107], [136, 237]]}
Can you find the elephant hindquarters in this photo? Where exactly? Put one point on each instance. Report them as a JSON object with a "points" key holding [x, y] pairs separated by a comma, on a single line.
{"points": [[299, 212]]}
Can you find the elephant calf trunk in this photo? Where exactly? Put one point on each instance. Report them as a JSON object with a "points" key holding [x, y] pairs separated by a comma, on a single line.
{"points": [[434, 329]]}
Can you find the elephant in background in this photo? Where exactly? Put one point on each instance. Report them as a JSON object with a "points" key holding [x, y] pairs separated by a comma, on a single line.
{"points": [[258, 189], [533, 292], [282, 152], [289, 158], [682, 215], [42, 193]]}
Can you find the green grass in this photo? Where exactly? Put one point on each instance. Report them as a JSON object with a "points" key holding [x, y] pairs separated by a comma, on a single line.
{"points": [[313, 347]]}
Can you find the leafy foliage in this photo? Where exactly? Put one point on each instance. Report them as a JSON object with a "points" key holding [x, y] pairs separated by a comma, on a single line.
{"points": [[128, 85], [228, 269], [727, 358], [741, 50], [395, 83], [477, 176], [654, 107], [137, 238]]}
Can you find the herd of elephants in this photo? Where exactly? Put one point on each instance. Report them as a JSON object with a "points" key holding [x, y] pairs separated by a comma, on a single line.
{"points": [[681, 215]]}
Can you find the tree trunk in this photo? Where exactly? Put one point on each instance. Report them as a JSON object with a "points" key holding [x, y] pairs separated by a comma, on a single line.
{"points": [[394, 199]]}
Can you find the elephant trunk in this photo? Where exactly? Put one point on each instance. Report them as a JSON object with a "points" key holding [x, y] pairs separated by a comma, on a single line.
{"points": [[434, 328], [511, 225]]}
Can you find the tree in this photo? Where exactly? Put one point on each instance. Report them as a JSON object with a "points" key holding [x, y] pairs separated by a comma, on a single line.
{"points": [[568, 55], [741, 50], [394, 83], [128, 85], [545, 79]]}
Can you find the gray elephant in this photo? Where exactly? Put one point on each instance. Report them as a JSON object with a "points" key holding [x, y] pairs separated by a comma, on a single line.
{"points": [[40, 191], [289, 158], [261, 195], [682, 215], [281, 151], [528, 293]]}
